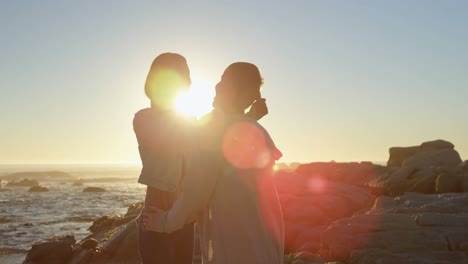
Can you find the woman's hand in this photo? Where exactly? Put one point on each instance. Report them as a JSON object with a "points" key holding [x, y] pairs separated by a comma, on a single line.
{"points": [[148, 219]]}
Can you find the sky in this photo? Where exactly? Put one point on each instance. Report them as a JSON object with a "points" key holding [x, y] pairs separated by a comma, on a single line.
{"points": [[344, 80]]}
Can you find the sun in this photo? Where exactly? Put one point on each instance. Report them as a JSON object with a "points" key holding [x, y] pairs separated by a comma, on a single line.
{"points": [[198, 100]]}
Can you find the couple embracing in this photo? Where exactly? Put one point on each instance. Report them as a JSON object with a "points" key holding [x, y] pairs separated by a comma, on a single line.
{"points": [[215, 172]]}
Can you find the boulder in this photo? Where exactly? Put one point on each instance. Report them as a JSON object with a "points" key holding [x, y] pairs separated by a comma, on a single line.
{"points": [[463, 167], [348, 172], [371, 256], [437, 153], [94, 189], [448, 182], [114, 240], [399, 154], [309, 206], [412, 228], [55, 250], [77, 183], [431, 167], [107, 222], [438, 144], [38, 175], [114, 245], [462, 170], [38, 189], [305, 258], [111, 221], [404, 179], [90, 243], [23, 183], [464, 182], [447, 158]]}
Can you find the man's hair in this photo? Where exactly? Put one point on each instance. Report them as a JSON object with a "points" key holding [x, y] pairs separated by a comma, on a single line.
{"points": [[243, 74], [239, 81], [169, 74]]}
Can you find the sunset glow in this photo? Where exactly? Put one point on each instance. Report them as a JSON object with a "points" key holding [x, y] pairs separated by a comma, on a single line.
{"points": [[197, 101]]}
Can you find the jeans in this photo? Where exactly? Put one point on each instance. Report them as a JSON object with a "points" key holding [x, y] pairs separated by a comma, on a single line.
{"points": [[164, 248]]}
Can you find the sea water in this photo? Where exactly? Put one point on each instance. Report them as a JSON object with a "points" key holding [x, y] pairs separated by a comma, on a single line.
{"points": [[26, 217]]}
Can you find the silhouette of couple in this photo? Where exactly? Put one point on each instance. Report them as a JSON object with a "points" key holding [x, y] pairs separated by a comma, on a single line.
{"points": [[215, 172]]}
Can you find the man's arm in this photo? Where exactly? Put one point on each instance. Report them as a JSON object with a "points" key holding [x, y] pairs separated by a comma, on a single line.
{"points": [[258, 110], [198, 185]]}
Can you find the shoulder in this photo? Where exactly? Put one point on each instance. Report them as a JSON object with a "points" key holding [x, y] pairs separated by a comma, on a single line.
{"points": [[144, 119], [260, 134], [142, 113]]}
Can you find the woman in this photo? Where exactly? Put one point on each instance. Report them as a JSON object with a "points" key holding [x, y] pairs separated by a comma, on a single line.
{"points": [[161, 136]]}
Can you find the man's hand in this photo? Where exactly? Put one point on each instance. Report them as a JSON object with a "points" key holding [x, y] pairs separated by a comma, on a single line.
{"points": [[258, 110]]}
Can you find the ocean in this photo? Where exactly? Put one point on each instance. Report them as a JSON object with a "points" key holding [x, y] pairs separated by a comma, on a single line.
{"points": [[26, 217]]}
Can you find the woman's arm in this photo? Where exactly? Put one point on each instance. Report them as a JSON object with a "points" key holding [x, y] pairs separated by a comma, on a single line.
{"points": [[197, 187]]}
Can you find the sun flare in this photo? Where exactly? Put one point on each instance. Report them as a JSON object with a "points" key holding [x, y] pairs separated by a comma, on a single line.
{"points": [[197, 101]]}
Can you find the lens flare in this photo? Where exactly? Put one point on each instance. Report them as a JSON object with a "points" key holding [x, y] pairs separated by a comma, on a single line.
{"points": [[164, 86], [317, 184], [197, 101], [245, 146]]}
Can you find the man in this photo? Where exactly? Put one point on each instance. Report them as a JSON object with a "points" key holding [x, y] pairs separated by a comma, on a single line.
{"points": [[227, 186]]}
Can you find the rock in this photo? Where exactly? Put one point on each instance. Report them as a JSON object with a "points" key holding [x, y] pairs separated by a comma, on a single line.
{"points": [[7, 251], [399, 154], [77, 183], [308, 209], [117, 245], [38, 175], [134, 210], [371, 256], [7, 219], [413, 228], [114, 240], [405, 179], [90, 243], [308, 240], [23, 183], [464, 183], [463, 172], [447, 182], [38, 189], [437, 145], [384, 202], [437, 219], [106, 222], [463, 167], [54, 250], [447, 158], [351, 173], [428, 168], [302, 258], [111, 221], [433, 153], [94, 189]]}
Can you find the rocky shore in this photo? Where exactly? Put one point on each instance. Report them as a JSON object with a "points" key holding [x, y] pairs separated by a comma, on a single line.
{"points": [[414, 210]]}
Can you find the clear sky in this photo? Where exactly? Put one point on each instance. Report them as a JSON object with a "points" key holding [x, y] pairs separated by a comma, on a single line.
{"points": [[344, 80]]}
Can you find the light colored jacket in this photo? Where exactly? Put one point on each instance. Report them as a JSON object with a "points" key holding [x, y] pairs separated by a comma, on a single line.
{"points": [[162, 138], [228, 186]]}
